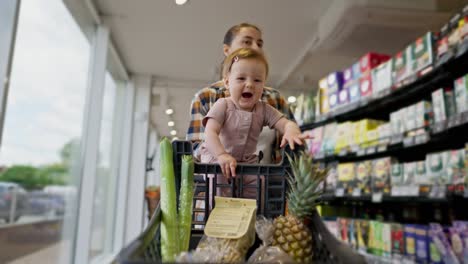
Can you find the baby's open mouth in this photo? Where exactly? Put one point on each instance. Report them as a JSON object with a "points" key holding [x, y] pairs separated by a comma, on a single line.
{"points": [[247, 95]]}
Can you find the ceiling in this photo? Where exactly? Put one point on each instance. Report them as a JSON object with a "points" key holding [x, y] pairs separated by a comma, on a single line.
{"points": [[181, 46]]}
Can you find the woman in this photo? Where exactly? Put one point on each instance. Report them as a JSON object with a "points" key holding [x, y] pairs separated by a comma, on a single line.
{"points": [[244, 35]]}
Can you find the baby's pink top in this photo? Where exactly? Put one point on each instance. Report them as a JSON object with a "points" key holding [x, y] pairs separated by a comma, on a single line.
{"points": [[239, 129]]}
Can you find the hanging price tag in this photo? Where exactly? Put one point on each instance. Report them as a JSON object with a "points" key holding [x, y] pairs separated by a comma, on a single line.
{"points": [[361, 152], [382, 148], [408, 141], [396, 191], [377, 197], [343, 153], [357, 193], [339, 192], [370, 150], [413, 190]]}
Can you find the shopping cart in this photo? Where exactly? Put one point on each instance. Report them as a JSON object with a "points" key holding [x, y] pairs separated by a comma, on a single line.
{"points": [[271, 186]]}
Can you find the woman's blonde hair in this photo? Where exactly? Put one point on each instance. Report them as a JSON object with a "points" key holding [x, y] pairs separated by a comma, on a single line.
{"points": [[240, 54]]}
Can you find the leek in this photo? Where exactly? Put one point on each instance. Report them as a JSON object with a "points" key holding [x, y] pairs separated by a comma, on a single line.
{"points": [[186, 202], [169, 229]]}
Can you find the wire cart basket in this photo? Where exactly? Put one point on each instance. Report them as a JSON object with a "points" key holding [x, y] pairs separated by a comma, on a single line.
{"points": [[270, 186]]}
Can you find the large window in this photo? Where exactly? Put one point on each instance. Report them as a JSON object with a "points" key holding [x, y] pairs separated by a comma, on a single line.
{"points": [[104, 207], [41, 135]]}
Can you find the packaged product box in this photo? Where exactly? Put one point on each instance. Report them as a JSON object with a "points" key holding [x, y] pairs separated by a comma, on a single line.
{"points": [[362, 127], [381, 175], [436, 167], [396, 122], [348, 75], [442, 42], [333, 100], [421, 177], [354, 91], [434, 254], [454, 37], [335, 81], [365, 85], [401, 66], [323, 96], [375, 232], [382, 77], [410, 118], [461, 94], [231, 224], [343, 97], [438, 104], [352, 128], [298, 112], [456, 166], [397, 173], [424, 114], [332, 176], [343, 229], [422, 52], [422, 243], [335, 85], [398, 241], [362, 235], [356, 68], [352, 234], [316, 141], [463, 24], [409, 173], [450, 105], [372, 138], [466, 164], [371, 60], [346, 176], [342, 136], [329, 140], [363, 177], [385, 132], [386, 240], [410, 241]]}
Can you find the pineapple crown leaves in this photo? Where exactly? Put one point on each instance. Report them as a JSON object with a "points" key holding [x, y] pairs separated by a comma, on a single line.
{"points": [[304, 183]]}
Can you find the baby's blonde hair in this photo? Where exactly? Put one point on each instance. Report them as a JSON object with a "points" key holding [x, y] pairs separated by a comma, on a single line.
{"points": [[240, 54]]}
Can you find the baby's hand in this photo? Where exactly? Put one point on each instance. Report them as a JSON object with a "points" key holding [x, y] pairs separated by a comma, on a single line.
{"points": [[228, 165], [293, 136]]}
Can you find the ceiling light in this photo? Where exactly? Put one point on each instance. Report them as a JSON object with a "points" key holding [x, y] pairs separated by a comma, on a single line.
{"points": [[170, 123], [292, 99], [173, 132], [169, 111], [181, 2]]}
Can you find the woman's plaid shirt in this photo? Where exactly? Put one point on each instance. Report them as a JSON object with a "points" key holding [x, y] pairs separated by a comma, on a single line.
{"points": [[205, 98]]}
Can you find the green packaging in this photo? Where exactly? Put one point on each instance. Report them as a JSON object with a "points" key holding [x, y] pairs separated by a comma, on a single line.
{"points": [[436, 168], [397, 174], [456, 167], [461, 94], [424, 114], [422, 52]]}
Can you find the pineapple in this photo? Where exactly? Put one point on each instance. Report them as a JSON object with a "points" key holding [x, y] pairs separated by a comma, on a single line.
{"points": [[290, 233]]}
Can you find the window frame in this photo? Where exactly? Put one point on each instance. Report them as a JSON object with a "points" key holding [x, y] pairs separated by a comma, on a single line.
{"points": [[10, 8]]}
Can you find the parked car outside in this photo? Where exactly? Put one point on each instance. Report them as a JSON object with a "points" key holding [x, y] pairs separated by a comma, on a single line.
{"points": [[7, 192]]}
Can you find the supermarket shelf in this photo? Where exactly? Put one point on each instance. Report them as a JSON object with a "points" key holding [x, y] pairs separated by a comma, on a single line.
{"points": [[380, 105], [444, 135], [448, 198]]}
